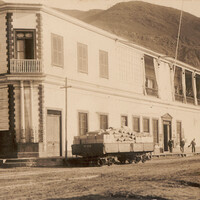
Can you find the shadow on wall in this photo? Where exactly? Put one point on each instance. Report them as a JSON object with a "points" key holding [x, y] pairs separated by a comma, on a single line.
{"points": [[118, 196]]}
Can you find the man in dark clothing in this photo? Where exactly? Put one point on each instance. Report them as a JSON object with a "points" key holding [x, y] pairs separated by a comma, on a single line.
{"points": [[193, 144], [170, 144], [182, 144]]}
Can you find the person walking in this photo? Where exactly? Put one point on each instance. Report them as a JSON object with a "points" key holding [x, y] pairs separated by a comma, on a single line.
{"points": [[182, 144], [193, 144]]}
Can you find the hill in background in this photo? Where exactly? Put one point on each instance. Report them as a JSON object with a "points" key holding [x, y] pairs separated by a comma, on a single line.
{"points": [[152, 26]]}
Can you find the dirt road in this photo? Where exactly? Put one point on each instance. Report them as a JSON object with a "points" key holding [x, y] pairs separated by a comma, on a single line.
{"points": [[160, 178]]}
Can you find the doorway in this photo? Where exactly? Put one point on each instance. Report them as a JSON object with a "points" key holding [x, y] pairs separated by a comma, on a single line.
{"points": [[25, 44], [54, 133], [167, 133]]}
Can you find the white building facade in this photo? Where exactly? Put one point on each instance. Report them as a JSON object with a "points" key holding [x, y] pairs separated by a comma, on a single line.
{"points": [[60, 78]]}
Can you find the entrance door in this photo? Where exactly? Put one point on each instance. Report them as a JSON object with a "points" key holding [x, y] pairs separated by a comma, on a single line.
{"points": [[167, 133], [53, 134]]}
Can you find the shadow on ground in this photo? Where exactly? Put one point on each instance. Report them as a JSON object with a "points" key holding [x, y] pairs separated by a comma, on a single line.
{"points": [[112, 197]]}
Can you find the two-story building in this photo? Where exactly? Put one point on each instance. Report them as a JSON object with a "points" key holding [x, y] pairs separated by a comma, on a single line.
{"points": [[60, 77]]}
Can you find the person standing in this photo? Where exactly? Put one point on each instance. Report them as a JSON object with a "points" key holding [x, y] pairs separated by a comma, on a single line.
{"points": [[170, 144], [193, 144], [182, 144]]}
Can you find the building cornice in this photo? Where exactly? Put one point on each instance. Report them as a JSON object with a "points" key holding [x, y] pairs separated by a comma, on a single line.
{"points": [[133, 96]]}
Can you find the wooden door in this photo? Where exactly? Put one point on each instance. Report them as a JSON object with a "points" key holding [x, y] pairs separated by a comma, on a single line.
{"points": [[53, 133], [167, 133]]}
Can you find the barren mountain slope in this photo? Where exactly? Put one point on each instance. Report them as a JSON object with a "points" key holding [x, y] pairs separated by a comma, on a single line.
{"points": [[151, 26]]}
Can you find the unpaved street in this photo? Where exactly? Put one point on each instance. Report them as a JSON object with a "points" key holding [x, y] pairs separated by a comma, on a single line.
{"points": [[160, 178]]}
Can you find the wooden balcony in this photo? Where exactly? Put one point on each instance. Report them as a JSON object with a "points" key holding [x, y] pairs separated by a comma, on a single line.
{"points": [[190, 100], [198, 101], [152, 92], [25, 66], [179, 97]]}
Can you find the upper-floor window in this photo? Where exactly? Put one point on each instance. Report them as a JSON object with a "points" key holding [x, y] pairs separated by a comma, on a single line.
{"points": [[103, 64], [198, 87], [155, 131], [83, 123], [103, 122], [146, 125], [178, 81], [82, 57], [124, 120], [189, 87], [24, 44], [150, 76], [57, 50], [136, 124]]}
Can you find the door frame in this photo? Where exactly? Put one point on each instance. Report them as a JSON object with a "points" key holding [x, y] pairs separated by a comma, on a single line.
{"points": [[169, 134], [166, 121], [58, 113]]}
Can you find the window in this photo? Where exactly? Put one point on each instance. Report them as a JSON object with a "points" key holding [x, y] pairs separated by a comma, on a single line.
{"points": [[178, 131], [57, 50], [103, 122], [198, 87], [83, 123], [124, 121], [150, 76], [146, 125], [155, 131], [24, 44], [188, 84], [103, 64], [136, 124], [82, 56]]}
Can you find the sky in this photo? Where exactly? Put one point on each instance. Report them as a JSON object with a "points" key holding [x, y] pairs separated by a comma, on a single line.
{"points": [[191, 6]]}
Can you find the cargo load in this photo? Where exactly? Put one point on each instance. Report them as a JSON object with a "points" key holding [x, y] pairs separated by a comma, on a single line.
{"points": [[121, 143]]}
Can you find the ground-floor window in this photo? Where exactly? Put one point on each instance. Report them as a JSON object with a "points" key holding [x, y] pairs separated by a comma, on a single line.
{"points": [[136, 124], [146, 125], [83, 123], [104, 122], [179, 131], [155, 131], [124, 120]]}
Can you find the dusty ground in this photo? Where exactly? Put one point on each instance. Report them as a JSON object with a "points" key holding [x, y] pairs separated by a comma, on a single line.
{"points": [[163, 178]]}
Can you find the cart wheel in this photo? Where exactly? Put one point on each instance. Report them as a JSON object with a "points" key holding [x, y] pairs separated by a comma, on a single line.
{"points": [[137, 160], [99, 162], [144, 159], [130, 161]]}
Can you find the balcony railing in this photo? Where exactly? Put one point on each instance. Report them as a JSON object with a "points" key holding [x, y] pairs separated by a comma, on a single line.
{"points": [[198, 101], [152, 91], [25, 66], [179, 97], [190, 100]]}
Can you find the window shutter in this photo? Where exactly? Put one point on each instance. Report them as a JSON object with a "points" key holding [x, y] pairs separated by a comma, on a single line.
{"points": [[103, 64], [57, 50], [82, 57]]}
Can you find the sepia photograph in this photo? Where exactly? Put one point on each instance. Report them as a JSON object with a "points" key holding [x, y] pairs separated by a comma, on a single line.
{"points": [[100, 99]]}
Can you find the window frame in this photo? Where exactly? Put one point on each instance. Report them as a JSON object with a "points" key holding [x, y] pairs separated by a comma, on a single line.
{"points": [[126, 117], [101, 115], [53, 51], [179, 134], [157, 136], [33, 31], [87, 123], [146, 118], [103, 64], [139, 128], [81, 59]]}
